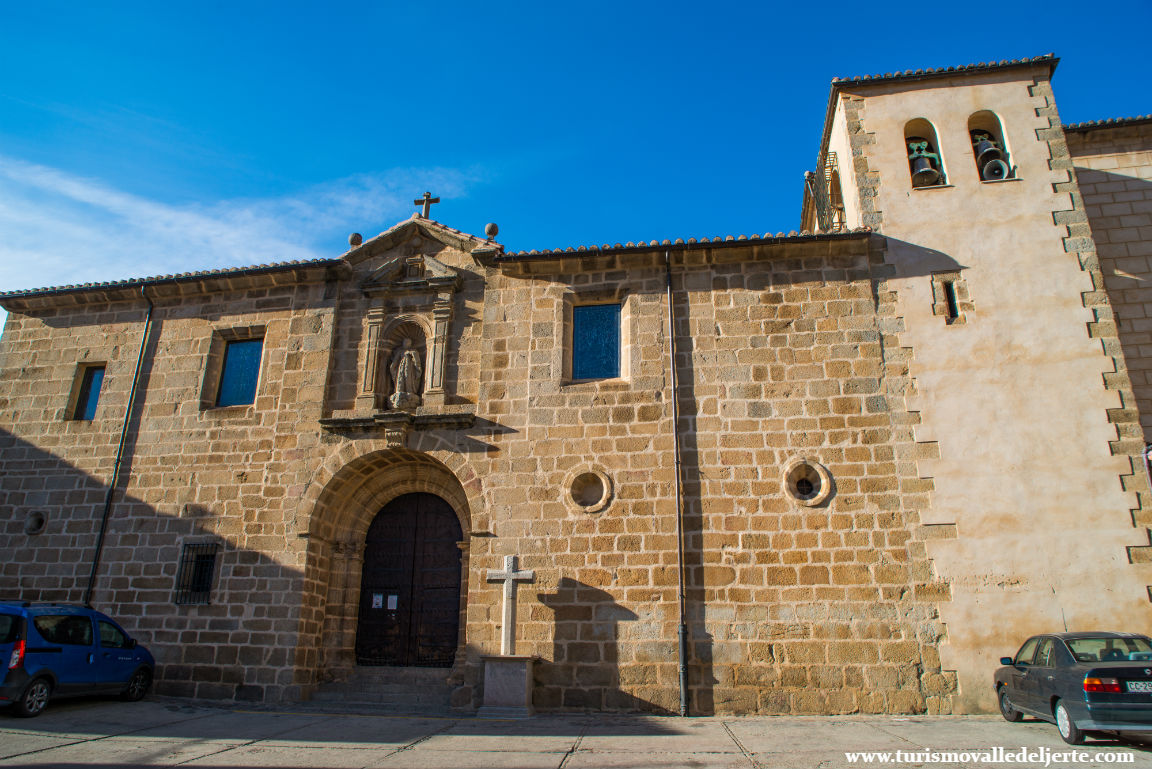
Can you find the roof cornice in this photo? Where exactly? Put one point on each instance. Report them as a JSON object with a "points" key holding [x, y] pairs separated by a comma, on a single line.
{"points": [[1116, 122], [180, 284], [938, 72], [730, 241]]}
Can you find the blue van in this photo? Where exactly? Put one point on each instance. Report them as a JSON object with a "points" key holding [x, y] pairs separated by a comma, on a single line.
{"points": [[59, 650]]}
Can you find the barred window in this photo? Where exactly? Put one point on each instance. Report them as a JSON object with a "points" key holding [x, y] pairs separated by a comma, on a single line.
{"points": [[197, 569]]}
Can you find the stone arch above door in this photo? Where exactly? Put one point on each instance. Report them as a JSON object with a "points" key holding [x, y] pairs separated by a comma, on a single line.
{"points": [[343, 503], [344, 506]]}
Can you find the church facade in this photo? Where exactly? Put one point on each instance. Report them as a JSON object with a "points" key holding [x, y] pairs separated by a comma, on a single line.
{"points": [[852, 466]]}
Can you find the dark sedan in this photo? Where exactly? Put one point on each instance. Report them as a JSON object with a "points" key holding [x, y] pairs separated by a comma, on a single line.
{"points": [[1082, 682]]}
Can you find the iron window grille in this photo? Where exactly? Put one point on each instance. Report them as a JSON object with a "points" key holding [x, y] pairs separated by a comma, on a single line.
{"points": [[197, 569]]}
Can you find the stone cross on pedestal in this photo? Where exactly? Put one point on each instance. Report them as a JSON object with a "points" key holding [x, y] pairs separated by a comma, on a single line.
{"points": [[509, 576]]}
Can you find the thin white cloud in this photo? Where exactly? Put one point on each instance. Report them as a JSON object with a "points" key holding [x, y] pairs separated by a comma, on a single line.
{"points": [[57, 228]]}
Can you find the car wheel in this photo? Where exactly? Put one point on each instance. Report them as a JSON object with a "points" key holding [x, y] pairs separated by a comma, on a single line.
{"points": [[1010, 713], [1069, 732], [137, 685], [34, 698]]}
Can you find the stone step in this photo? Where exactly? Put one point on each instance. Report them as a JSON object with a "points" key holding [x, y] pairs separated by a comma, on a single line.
{"points": [[383, 698], [394, 690]]}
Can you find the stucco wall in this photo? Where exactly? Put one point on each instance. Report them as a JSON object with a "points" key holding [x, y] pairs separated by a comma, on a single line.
{"points": [[1032, 471]]}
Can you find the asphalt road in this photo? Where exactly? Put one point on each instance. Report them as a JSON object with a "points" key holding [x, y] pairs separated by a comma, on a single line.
{"points": [[164, 732]]}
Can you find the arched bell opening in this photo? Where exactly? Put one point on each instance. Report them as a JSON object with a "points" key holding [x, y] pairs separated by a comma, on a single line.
{"points": [[836, 200], [989, 147], [925, 164], [340, 548]]}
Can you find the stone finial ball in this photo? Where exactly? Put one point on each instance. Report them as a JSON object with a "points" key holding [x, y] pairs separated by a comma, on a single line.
{"points": [[355, 239], [491, 230]]}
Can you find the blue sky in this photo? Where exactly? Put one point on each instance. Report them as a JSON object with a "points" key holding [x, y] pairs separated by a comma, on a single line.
{"points": [[149, 138]]}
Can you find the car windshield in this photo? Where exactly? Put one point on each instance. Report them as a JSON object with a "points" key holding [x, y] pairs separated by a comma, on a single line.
{"points": [[1105, 649]]}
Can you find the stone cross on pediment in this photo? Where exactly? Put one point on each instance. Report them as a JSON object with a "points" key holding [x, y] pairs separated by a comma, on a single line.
{"points": [[509, 576]]}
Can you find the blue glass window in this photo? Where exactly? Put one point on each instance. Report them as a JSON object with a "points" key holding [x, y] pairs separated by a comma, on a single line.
{"points": [[596, 341], [89, 393], [240, 373]]}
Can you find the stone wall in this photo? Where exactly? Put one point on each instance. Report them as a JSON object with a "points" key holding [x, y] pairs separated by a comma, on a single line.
{"points": [[786, 352], [790, 608], [1114, 170], [191, 474]]}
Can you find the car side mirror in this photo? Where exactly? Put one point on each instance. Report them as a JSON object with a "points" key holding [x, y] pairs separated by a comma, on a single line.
{"points": [[1005, 660], [130, 643]]}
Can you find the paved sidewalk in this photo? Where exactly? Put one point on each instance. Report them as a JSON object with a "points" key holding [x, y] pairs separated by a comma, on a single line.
{"points": [[159, 732]]}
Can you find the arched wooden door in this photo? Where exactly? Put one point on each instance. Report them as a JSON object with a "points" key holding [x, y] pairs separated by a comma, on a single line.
{"points": [[410, 587]]}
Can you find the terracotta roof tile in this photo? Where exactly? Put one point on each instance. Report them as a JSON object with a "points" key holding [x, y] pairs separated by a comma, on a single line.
{"points": [[677, 243], [1115, 122], [534, 253], [225, 272], [913, 74]]}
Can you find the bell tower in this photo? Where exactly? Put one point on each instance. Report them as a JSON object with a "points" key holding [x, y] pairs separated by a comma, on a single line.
{"points": [[1018, 399]]}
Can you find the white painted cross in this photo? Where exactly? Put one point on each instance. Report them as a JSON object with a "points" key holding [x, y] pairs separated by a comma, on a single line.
{"points": [[509, 576]]}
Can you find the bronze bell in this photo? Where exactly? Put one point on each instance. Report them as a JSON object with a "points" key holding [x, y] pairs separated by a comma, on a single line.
{"points": [[923, 174], [994, 170], [986, 150]]}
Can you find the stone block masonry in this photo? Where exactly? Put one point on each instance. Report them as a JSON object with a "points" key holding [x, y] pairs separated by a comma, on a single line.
{"points": [[890, 441], [192, 475], [794, 606], [826, 609], [1113, 167]]}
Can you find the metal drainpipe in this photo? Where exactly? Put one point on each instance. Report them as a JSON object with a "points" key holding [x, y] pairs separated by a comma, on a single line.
{"points": [[119, 455], [682, 652]]}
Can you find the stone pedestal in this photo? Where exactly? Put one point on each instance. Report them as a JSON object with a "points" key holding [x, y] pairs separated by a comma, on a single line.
{"points": [[507, 687]]}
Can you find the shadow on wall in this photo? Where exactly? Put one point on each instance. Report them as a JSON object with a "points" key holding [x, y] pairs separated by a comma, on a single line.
{"points": [[1120, 212], [584, 672], [233, 647], [910, 260], [701, 680]]}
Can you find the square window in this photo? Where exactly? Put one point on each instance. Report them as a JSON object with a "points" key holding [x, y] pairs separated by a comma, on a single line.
{"points": [[197, 568], [240, 372], [596, 341], [91, 379]]}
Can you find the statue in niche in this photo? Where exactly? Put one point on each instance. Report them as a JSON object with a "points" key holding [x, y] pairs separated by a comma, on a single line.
{"points": [[407, 376]]}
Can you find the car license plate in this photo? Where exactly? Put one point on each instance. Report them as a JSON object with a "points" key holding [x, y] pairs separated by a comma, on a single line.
{"points": [[1140, 686]]}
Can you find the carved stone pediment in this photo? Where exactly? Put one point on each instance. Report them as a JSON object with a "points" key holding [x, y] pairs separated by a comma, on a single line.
{"points": [[411, 274], [410, 283]]}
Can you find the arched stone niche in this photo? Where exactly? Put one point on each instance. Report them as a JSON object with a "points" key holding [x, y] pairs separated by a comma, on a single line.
{"points": [[403, 360], [411, 298]]}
